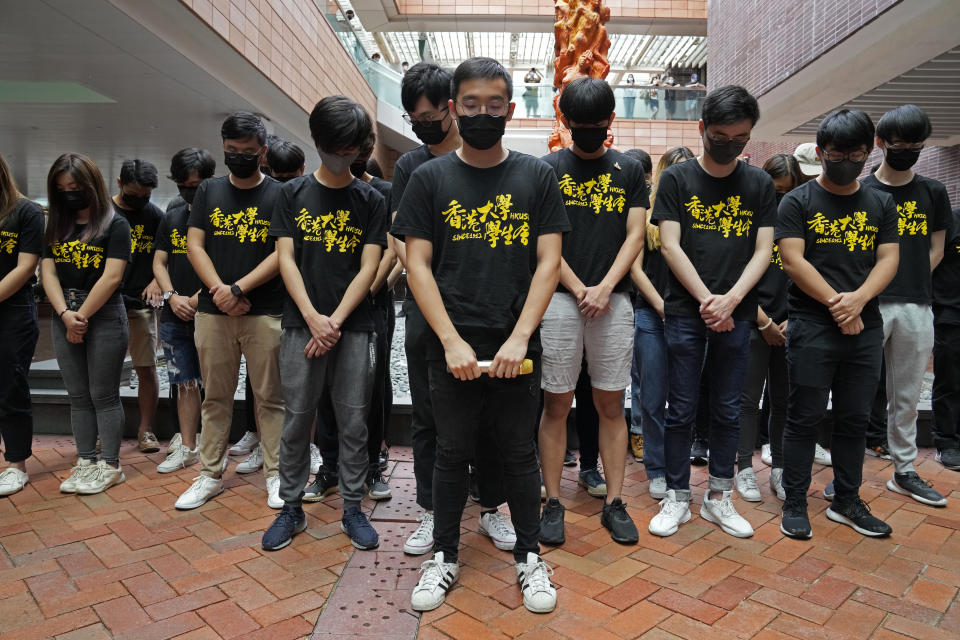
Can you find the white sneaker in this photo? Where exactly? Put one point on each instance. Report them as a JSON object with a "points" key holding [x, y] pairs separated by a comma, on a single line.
{"points": [[99, 478], [245, 445], [672, 514], [273, 492], [436, 579], [180, 458], [13, 480], [776, 483], [539, 596], [766, 455], [747, 485], [723, 513], [315, 459], [822, 456], [70, 484], [175, 442], [421, 540], [497, 527], [252, 462], [202, 489], [658, 488]]}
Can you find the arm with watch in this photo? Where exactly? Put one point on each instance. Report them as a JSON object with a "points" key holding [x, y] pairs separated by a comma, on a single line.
{"points": [[229, 298], [774, 334], [184, 307]]}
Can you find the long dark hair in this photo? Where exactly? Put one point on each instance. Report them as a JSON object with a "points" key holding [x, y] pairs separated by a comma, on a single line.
{"points": [[86, 174], [9, 194], [781, 165]]}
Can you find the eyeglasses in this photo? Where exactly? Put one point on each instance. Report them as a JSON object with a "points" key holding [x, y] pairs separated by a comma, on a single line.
{"points": [[496, 108], [837, 156], [726, 140], [430, 117], [905, 146]]}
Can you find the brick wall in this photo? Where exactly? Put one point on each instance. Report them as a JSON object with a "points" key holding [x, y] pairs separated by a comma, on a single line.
{"points": [[691, 9]]}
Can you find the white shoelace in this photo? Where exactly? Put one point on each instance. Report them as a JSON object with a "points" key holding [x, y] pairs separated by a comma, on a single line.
{"points": [[248, 440], [749, 481], [197, 487], [422, 534], [727, 510], [315, 458], [432, 574], [671, 507], [536, 577], [498, 525]]}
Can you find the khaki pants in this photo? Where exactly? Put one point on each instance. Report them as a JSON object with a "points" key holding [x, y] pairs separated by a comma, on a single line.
{"points": [[220, 342]]}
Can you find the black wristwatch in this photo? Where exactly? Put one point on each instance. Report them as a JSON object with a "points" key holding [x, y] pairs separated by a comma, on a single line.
{"points": [[236, 290]]}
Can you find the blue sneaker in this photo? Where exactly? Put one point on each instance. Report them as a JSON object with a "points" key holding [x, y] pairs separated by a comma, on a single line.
{"points": [[829, 491], [288, 523], [354, 523], [593, 482]]}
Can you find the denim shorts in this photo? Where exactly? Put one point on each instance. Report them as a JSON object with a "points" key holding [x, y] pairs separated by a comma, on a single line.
{"points": [[183, 364]]}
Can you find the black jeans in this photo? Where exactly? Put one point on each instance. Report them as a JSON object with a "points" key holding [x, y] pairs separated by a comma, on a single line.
{"points": [[877, 426], [499, 411], [767, 364], [423, 429], [946, 385], [19, 331], [588, 422], [820, 359]]}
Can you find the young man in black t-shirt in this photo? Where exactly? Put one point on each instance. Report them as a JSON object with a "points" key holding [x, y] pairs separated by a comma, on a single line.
{"points": [[839, 245], [716, 217], [140, 292], [240, 304], [590, 314], [285, 159], [923, 209], [330, 230], [181, 297], [483, 231], [946, 350]]}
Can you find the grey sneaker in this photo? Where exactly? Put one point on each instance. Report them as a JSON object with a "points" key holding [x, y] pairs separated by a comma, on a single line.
{"points": [[910, 484], [776, 483], [593, 482], [658, 488], [747, 486], [378, 487], [77, 473]]}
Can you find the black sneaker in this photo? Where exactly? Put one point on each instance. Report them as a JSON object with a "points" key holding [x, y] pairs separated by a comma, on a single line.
{"points": [[324, 484], [474, 488], [551, 523], [618, 522], [699, 452], [856, 514], [879, 450], [794, 522], [829, 491], [355, 524], [289, 522], [569, 459], [910, 484], [383, 460], [949, 458]]}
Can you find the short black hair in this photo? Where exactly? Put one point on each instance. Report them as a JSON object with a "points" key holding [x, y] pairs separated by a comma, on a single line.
{"points": [[284, 157], [191, 159], [587, 100], [480, 68], [243, 125], [373, 168], [337, 122], [729, 104], [425, 79], [642, 157], [907, 123], [138, 171], [846, 130]]}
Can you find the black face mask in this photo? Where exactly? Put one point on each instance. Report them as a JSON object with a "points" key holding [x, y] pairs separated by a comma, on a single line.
{"points": [[187, 193], [242, 165], [588, 139], [431, 131], [901, 159], [722, 152], [482, 131], [359, 167], [74, 200], [844, 172], [134, 202]]}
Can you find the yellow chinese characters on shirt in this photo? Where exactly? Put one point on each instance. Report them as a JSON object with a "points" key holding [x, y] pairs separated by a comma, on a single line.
{"points": [[494, 222], [910, 221], [851, 231], [244, 225], [78, 253], [178, 243], [596, 193], [775, 256], [8, 241], [140, 243], [333, 229], [725, 216]]}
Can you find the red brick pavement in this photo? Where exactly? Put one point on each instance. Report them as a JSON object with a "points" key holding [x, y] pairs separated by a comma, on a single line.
{"points": [[126, 564]]}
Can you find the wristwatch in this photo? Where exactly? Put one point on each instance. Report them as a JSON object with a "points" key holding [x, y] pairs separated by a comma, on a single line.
{"points": [[236, 290], [167, 294]]}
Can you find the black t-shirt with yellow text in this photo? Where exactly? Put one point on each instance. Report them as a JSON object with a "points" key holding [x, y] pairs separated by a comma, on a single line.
{"points": [[402, 170], [143, 233], [80, 262], [484, 225], [598, 195], [841, 236], [236, 223], [923, 208], [330, 228], [719, 218], [172, 238], [20, 232], [772, 288]]}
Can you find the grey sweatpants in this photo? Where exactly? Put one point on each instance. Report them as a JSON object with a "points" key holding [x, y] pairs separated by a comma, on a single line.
{"points": [[348, 369], [907, 345]]}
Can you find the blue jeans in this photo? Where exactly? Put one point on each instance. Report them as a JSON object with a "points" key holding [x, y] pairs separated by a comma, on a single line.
{"points": [[180, 350], [693, 349], [648, 388]]}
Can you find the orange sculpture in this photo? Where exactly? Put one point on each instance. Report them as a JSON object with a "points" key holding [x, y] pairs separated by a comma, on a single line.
{"points": [[580, 46]]}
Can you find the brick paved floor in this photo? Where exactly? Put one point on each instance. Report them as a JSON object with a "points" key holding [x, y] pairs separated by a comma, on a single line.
{"points": [[126, 564]]}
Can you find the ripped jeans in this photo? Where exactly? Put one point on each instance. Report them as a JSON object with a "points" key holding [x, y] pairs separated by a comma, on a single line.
{"points": [[183, 364]]}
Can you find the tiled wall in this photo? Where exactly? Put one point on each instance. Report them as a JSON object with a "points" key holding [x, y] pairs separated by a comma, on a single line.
{"points": [[694, 9], [292, 44]]}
